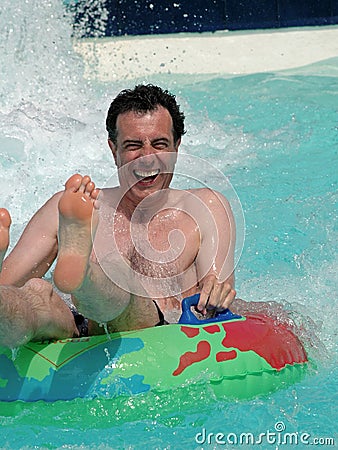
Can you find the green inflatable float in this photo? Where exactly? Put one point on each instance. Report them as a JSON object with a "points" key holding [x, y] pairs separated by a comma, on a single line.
{"points": [[238, 357]]}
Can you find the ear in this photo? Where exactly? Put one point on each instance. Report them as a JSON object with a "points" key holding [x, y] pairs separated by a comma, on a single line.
{"points": [[176, 145], [113, 148]]}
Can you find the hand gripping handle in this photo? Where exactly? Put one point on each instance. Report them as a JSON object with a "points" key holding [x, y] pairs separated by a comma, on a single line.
{"points": [[188, 317]]}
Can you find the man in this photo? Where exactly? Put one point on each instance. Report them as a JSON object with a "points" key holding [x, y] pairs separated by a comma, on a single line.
{"points": [[129, 254]]}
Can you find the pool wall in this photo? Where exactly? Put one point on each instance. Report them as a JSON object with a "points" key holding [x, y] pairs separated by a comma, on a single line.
{"points": [[123, 17], [206, 54]]}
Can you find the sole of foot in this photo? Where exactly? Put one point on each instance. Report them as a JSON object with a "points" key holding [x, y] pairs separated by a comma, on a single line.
{"points": [[77, 225]]}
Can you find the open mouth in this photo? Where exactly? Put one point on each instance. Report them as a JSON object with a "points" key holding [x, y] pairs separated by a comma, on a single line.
{"points": [[146, 176]]}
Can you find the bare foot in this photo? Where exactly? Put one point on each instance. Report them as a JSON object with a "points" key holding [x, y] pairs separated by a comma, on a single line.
{"points": [[77, 225], [5, 223]]}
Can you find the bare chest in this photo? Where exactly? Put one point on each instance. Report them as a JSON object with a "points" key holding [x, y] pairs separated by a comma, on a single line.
{"points": [[166, 245]]}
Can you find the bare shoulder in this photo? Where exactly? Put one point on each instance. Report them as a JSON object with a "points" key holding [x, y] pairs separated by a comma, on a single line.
{"points": [[215, 205], [211, 197]]}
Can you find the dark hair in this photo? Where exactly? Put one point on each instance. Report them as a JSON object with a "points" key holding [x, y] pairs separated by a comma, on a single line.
{"points": [[144, 98]]}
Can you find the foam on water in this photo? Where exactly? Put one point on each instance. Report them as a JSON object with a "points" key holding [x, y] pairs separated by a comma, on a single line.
{"points": [[36, 54], [51, 123], [273, 135]]}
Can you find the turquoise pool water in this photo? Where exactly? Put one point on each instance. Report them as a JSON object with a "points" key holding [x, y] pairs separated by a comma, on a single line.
{"points": [[276, 137]]}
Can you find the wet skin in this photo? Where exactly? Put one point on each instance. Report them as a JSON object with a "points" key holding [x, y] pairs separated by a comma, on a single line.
{"points": [[89, 232], [25, 311]]}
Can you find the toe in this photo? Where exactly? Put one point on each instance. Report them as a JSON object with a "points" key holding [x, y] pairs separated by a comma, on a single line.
{"points": [[5, 218], [89, 188], [74, 182]]}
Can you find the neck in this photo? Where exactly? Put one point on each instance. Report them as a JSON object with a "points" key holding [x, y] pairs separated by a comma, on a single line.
{"points": [[142, 210]]}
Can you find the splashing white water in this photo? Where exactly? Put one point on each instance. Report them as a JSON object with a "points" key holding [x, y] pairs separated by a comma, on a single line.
{"points": [[38, 64], [51, 120]]}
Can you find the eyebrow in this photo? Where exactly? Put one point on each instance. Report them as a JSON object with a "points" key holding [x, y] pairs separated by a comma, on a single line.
{"points": [[139, 141], [160, 139], [132, 141]]}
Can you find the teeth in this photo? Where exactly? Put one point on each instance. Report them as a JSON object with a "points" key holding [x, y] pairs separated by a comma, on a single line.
{"points": [[145, 174]]}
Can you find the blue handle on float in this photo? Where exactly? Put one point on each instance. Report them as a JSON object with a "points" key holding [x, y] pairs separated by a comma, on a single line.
{"points": [[189, 318]]}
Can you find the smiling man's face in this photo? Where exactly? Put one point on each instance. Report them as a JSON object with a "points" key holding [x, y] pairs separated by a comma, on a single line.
{"points": [[145, 152]]}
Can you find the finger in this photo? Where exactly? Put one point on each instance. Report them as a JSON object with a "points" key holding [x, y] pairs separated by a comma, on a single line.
{"points": [[218, 295], [221, 297], [203, 301], [226, 289], [215, 297], [227, 301], [204, 295]]}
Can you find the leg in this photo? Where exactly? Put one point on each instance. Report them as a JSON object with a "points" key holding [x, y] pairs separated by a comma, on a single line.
{"points": [[33, 312], [77, 224], [5, 223], [95, 294]]}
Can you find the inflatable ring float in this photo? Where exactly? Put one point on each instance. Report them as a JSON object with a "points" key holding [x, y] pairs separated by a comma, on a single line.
{"points": [[238, 357]]}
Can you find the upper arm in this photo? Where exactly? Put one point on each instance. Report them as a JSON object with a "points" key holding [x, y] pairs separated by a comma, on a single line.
{"points": [[36, 249], [217, 238]]}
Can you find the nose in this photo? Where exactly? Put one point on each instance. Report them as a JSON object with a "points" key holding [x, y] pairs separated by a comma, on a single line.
{"points": [[147, 149], [147, 155]]}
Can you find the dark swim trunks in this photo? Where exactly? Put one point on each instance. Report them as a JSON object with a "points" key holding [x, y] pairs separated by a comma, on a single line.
{"points": [[161, 316], [82, 323]]}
